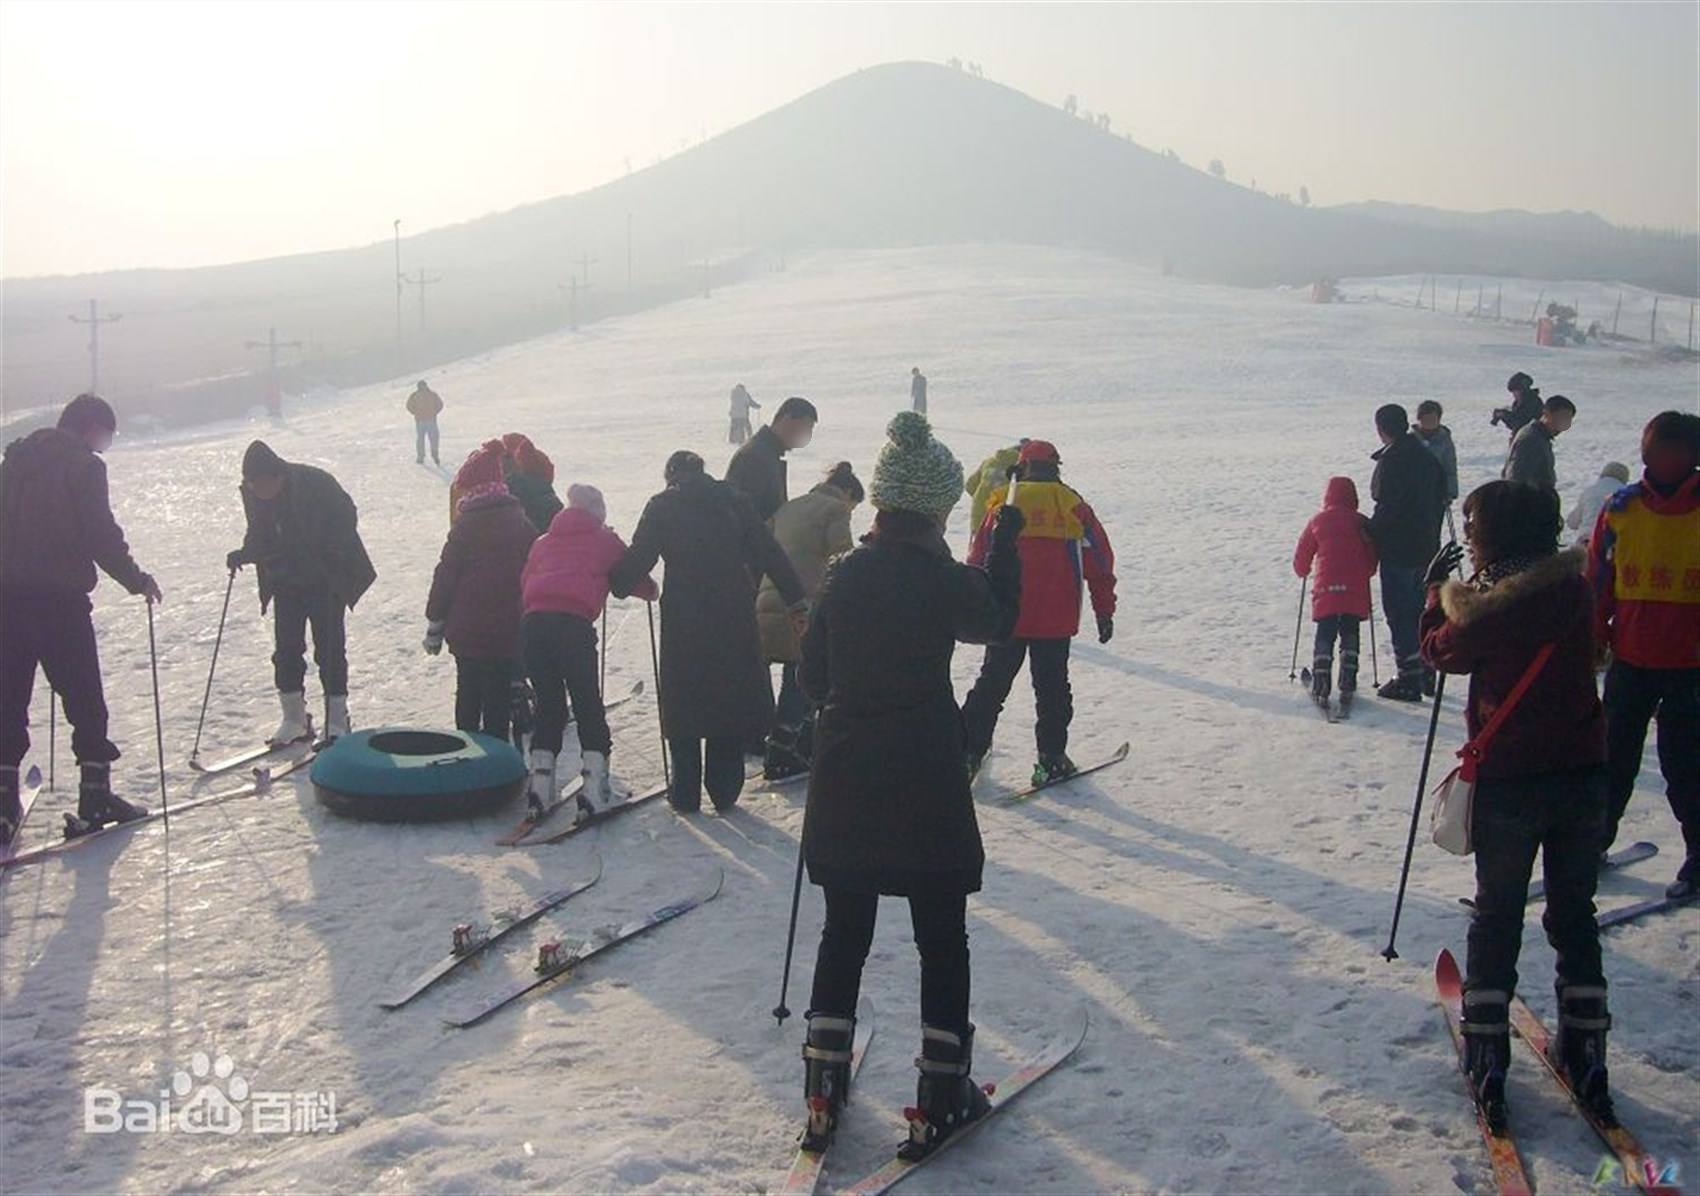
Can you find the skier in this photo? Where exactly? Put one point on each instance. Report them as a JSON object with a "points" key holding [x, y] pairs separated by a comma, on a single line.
{"points": [[889, 809], [1586, 513], [1437, 439], [1540, 786], [566, 586], [1337, 541], [474, 601], [425, 405], [1062, 546], [303, 540], [1525, 406], [1530, 459], [715, 690], [1409, 491], [990, 476], [741, 404], [812, 529], [1644, 561], [757, 470], [56, 526], [917, 390]]}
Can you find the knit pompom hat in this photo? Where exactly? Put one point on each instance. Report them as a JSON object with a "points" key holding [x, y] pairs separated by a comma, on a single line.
{"points": [[915, 472], [528, 458], [480, 475], [587, 498]]}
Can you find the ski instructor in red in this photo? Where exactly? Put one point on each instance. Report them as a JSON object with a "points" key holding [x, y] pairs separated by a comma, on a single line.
{"points": [[1064, 551]]}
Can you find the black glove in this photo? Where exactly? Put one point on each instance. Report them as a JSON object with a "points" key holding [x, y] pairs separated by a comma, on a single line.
{"points": [[1008, 526], [1443, 564], [1497, 413], [1106, 628], [235, 559]]}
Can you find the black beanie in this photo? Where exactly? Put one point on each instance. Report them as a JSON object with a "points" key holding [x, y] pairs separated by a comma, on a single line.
{"points": [[1519, 381], [260, 462]]}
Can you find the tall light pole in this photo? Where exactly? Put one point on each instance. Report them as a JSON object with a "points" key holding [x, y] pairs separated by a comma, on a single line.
{"points": [[94, 321], [400, 359], [423, 281]]}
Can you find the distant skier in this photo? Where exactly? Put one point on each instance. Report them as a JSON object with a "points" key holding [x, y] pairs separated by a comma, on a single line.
{"points": [[716, 693], [918, 390], [474, 603], [889, 808], [1337, 543], [989, 477], [1531, 458], [1409, 490], [566, 586], [1525, 405], [1064, 551], [1586, 512], [425, 405], [56, 526], [304, 541], [757, 470], [741, 404]]}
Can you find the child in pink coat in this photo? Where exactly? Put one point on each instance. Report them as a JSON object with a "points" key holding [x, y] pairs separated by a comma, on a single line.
{"points": [[1337, 542], [564, 586]]}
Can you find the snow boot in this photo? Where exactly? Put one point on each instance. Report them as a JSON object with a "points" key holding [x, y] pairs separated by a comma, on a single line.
{"points": [[97, 805], [1053, 767], [1487, 1052], [946, 1096], [540, 786], [826, 1075], [784, 758], [1321, 676], [297, 724], [1403, 688], [336, 717], [1579, 1048], [597, 793], [11, 805], [1348, 673], [1686, 886]]}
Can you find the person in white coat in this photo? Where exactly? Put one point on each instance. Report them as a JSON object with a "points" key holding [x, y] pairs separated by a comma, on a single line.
{"points": [[1593, 498]]}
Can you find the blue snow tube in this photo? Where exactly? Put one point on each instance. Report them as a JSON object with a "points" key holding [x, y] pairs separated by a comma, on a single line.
{"points": [[405, 774]]}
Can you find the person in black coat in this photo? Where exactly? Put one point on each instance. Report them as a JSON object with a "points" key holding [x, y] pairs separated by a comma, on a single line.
{"points": [[715, 688], [1409, 489], [757, 470], [889, 808]]}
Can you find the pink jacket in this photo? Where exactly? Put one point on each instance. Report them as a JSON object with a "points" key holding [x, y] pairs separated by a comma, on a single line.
{"points": [[1337, 541], [567, 570]]}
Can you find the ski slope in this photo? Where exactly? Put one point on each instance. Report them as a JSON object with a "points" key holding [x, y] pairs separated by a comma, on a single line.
{"points": [[1218, 902]]}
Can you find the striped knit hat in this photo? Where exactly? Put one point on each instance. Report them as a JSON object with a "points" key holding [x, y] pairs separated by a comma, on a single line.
{"points": [[915, 472]]}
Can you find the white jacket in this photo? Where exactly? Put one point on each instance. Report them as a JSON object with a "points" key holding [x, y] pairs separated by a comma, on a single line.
{"points": [[1589, 503]]}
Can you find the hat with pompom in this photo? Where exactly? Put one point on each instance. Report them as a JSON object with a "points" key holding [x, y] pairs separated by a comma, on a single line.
{"points": [[480, 475], [915, 472]]}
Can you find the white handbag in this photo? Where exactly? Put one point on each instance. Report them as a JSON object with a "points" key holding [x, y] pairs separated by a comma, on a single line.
{"points": [[1453, 812]]}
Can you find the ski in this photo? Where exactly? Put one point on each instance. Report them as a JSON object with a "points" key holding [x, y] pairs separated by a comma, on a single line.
{"points": [[555, 961], [27, 793], [1638, 1168], [1037, 1067], [471, 941], [759, 778], [230, 763], [1653, 905], [636, 799], [532, 821], [1633, 854], [805, 1173], [262, 783], [1115, 758], [1325, 708], [1508, 1175]]}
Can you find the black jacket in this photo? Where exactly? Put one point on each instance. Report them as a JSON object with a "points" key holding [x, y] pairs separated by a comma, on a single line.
{"points": [[1409, 489], [307, 540], [757, 472], [889, 804], [537, 498], [714, 680], [56, 523]]}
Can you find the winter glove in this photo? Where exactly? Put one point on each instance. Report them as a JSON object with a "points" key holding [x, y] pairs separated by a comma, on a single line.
{"points": [[1008, 526], [433, 637], [1106, 628], [235, 559], [150, 589], [1444, 562]]}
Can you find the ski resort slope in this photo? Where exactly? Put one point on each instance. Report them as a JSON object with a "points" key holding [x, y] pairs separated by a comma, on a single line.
{"points": [[1217, 903]]}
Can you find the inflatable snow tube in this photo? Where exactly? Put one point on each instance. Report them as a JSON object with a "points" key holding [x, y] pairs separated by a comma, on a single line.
{"points": [[406, 774]]}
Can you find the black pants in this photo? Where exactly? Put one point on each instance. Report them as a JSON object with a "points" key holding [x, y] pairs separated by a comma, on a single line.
{"points": [[292, 613], [483, 695], [723, 772], [1346, 629], [1634, 697], [56, 632], [1051, 692], [1402, 598], [941, 938], [560, 659], [1559, 816]]}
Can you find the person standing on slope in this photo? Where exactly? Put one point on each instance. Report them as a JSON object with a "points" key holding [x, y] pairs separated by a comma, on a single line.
{"points": [[304, 542], [1437, 439], [889, 809], [757, 470], [1337, 542], [56, 526], [917, 390], [988, 478], [1644, 562], [1524, 408], [1586, 513], [1531, 459], [1409, 491], [1064, 551], [424, 405], [741, 404]]}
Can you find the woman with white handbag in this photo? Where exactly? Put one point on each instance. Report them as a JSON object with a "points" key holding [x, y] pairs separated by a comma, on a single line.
{"points": [[1533, 779]]}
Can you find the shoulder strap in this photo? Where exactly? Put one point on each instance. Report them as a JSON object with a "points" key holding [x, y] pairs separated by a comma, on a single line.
{"points": [[1478, 745]]}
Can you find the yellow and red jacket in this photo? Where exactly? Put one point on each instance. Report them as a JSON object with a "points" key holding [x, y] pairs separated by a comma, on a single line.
{"points": [[1644, 563], [1063, 550]]}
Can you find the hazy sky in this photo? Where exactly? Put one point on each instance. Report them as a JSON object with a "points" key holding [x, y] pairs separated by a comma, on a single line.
{"points": [[142, 133]]}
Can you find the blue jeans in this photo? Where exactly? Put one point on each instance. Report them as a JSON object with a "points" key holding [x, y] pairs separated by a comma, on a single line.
{"points": [[425, 429], [1402, 603]]}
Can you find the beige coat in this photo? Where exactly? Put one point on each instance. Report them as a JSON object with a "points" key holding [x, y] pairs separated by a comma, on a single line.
{"points": [[812, 530]]}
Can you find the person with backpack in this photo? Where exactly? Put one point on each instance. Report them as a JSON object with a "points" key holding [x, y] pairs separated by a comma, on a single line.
{"points": [[1409, 492], [1337, 543]]}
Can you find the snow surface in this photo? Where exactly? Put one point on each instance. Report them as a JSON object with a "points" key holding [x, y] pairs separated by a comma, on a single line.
{"points": [[1218, 902]]}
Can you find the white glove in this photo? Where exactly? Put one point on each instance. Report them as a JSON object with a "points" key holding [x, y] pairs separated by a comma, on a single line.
{"points": [[433, 638]]}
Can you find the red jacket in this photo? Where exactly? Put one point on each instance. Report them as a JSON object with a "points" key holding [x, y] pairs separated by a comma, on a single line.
{"points": [[475, 590], [1493, 635], [1062, 546], [1644, 562], [1337, 541]]}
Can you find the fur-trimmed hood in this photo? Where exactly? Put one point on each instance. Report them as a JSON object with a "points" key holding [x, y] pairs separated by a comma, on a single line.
{"points": [[1464, 604]]}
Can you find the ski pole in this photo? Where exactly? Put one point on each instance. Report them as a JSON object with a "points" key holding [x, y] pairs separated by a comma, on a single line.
{"points": [[1298, 628], [1374, 669], [158, 723], [661, 719], [780, 1012], [1388, 953], [1451, 530], [52, 732], [206, 698], [602, 679]]}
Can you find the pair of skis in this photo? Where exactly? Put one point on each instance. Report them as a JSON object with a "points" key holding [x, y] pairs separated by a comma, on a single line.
{"points": [[1508, 1174], [807, 1168], [1330, 711], [1110, 761], [1633, 854], [525, 834]]}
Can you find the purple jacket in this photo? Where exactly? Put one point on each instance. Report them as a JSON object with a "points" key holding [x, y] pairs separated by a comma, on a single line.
{"points": [[475, 592]]}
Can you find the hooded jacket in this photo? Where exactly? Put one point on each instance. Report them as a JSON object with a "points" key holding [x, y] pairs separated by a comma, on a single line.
{"points": [[1064, 550], [1337, 542], [988, 477], [307, 540], [475, 591], [1644, 564], [567, 571], [56, 521]]}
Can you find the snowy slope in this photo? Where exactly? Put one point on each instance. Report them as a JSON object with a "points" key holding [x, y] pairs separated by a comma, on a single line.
{"points": [[1218, 902]]}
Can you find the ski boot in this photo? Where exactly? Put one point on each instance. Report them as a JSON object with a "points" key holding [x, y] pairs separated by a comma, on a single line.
{"points": [[297, 724], [1321, 677], [1053, 767], [1687, 883], [1487, 1053], [826, 1076], [336, 717], [946, 1097], [1348, 688], [597, 792], [540, 787], [11, 805], [97, 805], [1578, 1050], [784, 758]]}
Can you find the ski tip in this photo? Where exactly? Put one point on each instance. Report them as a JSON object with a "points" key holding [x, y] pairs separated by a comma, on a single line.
{"points": [[1447, 978], [712, 890], [33, 777]]}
